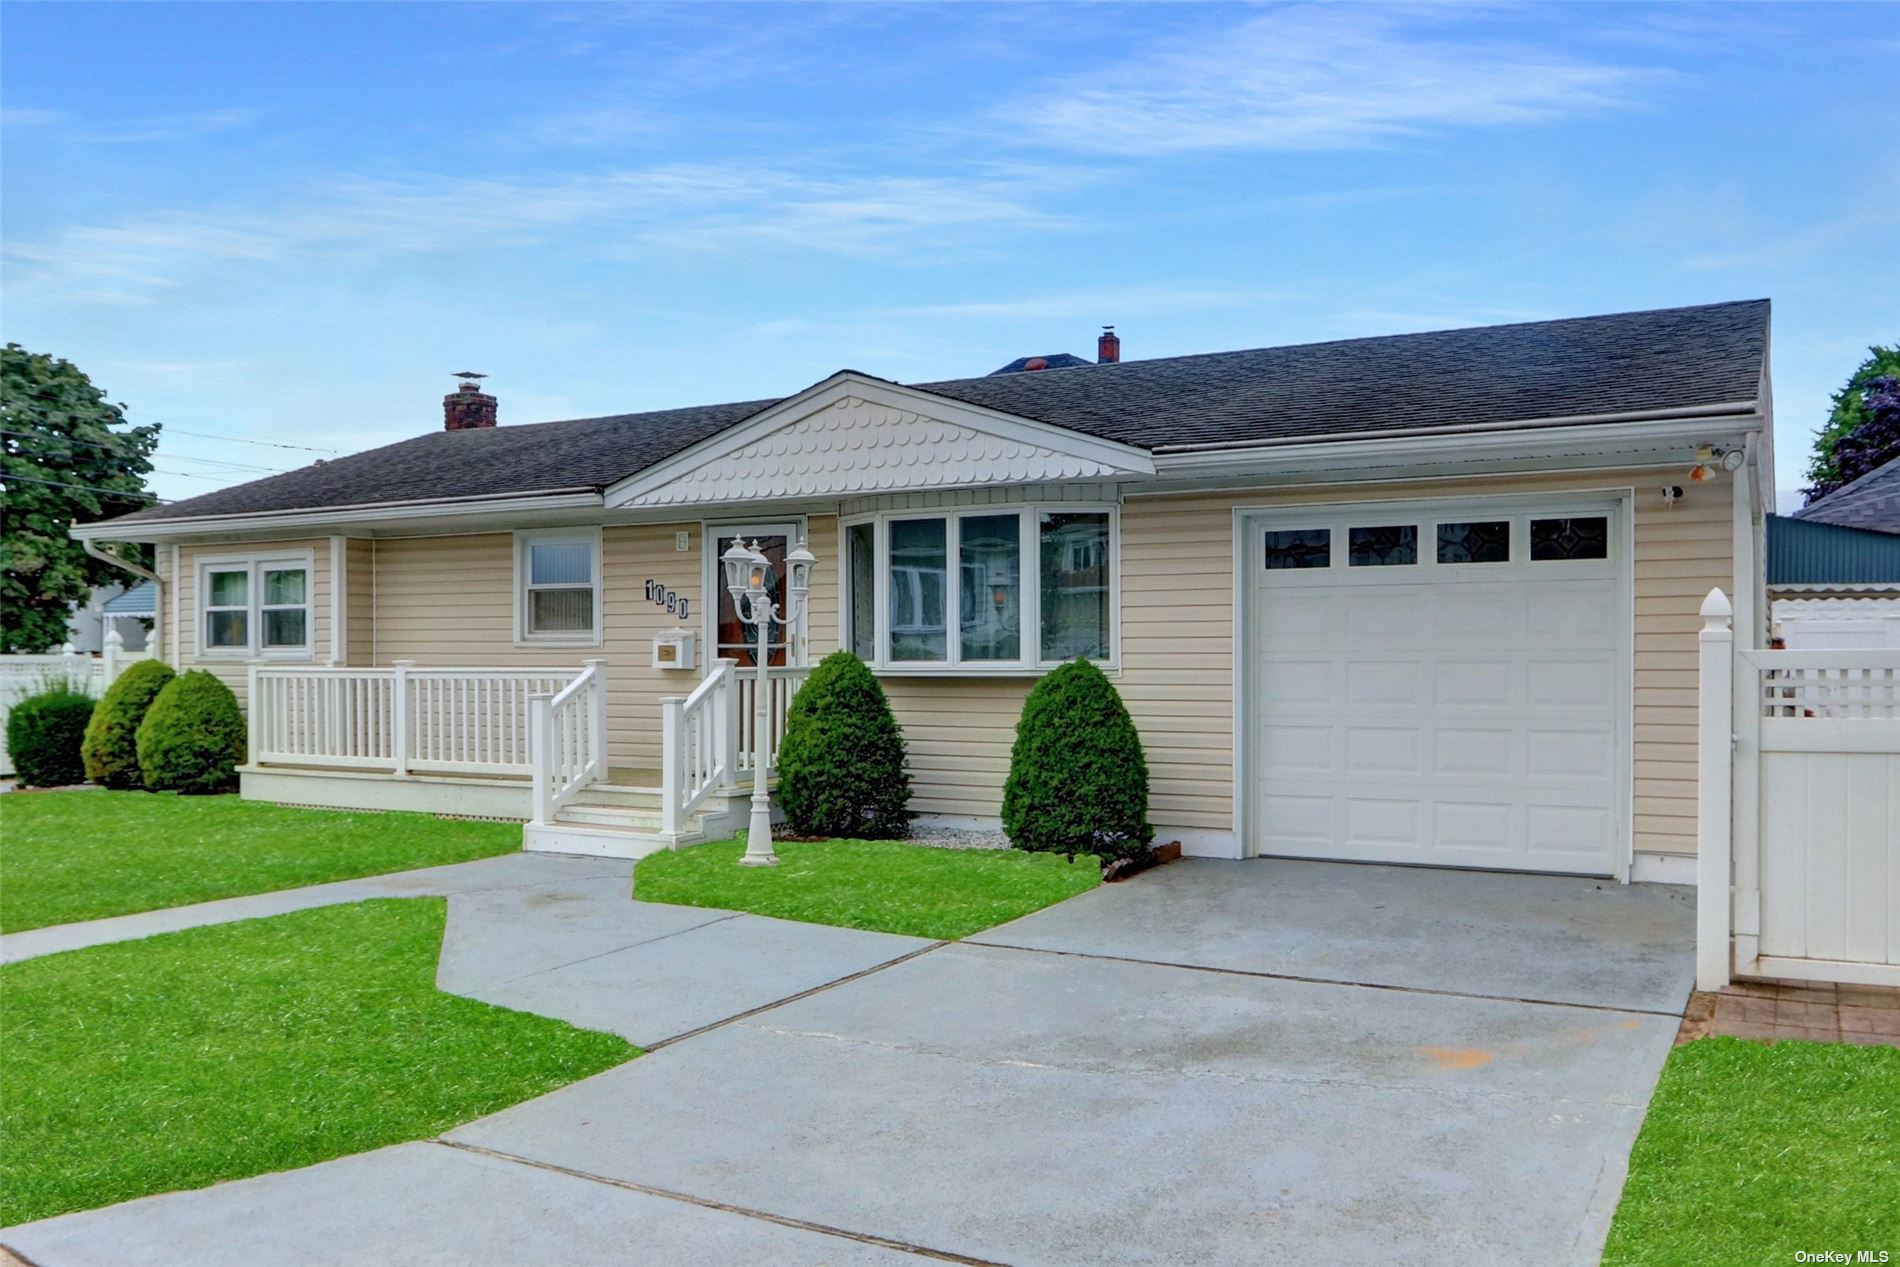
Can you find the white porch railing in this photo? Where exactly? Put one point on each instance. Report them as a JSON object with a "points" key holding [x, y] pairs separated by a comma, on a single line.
{"points": [[711, 739], [568, 738], [1808, 771], [402, 719], [698, 745]]}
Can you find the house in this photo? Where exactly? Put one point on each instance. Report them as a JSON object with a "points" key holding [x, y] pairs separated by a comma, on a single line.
{"points": [[1429, 598], [1834, 566]]}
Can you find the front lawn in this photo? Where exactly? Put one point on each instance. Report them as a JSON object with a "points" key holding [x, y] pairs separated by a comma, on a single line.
{"points": [[67, 856], [1752, 1152], [237, 1049], [882, 885]]}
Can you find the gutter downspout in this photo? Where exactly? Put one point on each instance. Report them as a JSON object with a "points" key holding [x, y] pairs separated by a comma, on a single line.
{"points": [[143, 573]]}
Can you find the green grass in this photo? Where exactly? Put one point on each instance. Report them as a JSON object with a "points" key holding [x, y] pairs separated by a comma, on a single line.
{"points": [[882, 885], [1751, 1152], [67, 856], [237, 1049]]}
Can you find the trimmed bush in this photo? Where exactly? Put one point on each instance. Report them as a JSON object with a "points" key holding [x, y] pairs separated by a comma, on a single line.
{"points": [[111, 750], [192, 737], [841, 766], [44, 734], [1078, 782]]}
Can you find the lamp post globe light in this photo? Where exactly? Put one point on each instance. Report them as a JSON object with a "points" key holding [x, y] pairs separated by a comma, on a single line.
{"points": [[746, 573]]}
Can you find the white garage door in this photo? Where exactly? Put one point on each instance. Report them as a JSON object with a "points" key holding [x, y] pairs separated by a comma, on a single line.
{"points": [[1440, 684]]}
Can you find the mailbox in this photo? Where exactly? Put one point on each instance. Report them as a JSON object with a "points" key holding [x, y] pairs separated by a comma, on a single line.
{"points": [[673, 649]]}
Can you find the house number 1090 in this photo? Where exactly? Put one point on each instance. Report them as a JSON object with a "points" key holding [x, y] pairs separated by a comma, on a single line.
{"points": [[660, 596]]}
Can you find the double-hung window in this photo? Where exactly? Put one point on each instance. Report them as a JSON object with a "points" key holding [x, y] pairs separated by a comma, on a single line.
{"points": [[558, 597], [981, 590], [255, 606]]}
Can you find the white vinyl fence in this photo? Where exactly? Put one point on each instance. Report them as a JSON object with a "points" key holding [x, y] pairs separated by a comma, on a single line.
{"points": [[1811, 771], [24, 675]]}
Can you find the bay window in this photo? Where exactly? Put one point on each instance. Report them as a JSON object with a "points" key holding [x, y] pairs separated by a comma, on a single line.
{"points": [[1027, 587], [255, 606]]}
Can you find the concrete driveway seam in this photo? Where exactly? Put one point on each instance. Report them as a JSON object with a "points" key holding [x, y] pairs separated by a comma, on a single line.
{"points": [[823, 1229], [645, 941], [1345, 981]]}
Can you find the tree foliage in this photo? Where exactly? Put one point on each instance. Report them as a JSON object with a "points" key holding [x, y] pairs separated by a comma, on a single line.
{"points": [[66, 454], [1851, 412], [1078, 780], [841, 766]]}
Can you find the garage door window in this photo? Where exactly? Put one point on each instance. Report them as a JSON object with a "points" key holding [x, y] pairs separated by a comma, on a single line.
{"points": [[1382, 547], [1488, 541], [1299, 548], [1585, 537]]}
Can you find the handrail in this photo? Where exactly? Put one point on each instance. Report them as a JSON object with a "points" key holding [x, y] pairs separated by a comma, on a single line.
{"points": [[568, 740], [696, 746]]}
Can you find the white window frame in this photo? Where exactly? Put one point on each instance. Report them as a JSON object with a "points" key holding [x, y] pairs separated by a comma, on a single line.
{"points": [[254, 566], [1029, 539], [589, 536]]}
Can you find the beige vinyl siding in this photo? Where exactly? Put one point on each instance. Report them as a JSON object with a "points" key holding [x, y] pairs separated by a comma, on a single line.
{"points": [[235, 673], [359, 609], [450, 601]]}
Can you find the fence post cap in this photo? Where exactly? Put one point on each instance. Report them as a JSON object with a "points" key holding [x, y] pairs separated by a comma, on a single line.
{"points": [[1717, 604]]}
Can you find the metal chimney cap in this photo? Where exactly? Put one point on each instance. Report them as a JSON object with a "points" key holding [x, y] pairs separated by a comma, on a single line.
{"points": [[470, 375]]}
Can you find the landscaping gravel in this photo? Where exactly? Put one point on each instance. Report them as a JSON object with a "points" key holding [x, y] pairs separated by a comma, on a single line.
{"points": [[958, 838]]}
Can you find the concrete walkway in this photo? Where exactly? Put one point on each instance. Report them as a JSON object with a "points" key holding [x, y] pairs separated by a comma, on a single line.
{"points": [[1157, 1080]]}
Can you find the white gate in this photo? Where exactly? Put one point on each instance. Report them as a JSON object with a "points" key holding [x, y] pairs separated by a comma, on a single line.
{"points": [[1815, 790]]}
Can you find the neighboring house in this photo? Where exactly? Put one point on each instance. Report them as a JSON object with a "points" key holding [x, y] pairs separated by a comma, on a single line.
{"points": [[130, 610], [1429, 598], [1834, 567]]}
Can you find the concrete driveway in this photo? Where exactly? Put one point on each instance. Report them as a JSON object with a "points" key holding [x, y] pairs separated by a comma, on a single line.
{"points": [[1213, 1063]]}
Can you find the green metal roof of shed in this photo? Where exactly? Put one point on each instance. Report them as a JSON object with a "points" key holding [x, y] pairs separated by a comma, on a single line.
{"points": [[1805, 552]]}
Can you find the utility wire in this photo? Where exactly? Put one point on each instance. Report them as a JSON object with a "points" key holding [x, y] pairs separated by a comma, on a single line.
{"points": [[275, 444], [170, 457], [9, 478]]}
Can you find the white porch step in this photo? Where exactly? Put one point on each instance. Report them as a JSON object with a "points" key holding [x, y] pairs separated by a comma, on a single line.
{"points": [[622, 817], [597, 842], [615, 796]]}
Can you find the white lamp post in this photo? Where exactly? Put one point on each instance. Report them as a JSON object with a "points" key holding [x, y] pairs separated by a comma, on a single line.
{"points": [[746, 571]]}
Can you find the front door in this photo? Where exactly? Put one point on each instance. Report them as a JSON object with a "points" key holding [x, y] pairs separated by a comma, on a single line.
{"points": [[733, 638]]}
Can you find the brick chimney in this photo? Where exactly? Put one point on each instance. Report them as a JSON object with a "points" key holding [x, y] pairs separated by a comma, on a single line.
{"points": [[468, 406], [1108, 348]]}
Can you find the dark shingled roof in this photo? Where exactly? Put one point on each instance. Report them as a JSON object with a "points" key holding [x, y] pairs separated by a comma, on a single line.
{"points": [[1674, 358], [1872, 501], [1053, 361]]}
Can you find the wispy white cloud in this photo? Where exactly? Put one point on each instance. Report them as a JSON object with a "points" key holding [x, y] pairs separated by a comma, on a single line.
{"points": [[130, 131], [678, 207], [1315, 78]]}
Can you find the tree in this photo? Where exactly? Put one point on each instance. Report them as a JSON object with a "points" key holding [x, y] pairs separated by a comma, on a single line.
{"points": [[1876, 441], [1849, 413], [65, 455]]}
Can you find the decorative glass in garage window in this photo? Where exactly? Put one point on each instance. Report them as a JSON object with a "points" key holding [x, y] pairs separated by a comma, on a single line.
{"points": [[1382, 547], [1075, 563], [1485, 542], [1583, 537], [1299, 548]]}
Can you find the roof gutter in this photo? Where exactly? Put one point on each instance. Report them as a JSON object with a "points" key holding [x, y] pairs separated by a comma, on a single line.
{"points": [[1517, 424], [340, 516]]}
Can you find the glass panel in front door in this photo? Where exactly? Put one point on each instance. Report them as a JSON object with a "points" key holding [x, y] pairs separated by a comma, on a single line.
{"points": [[738, 640]]}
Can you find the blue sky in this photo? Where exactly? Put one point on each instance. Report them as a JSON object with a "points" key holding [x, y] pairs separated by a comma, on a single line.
{"points": [[292, 222]]}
